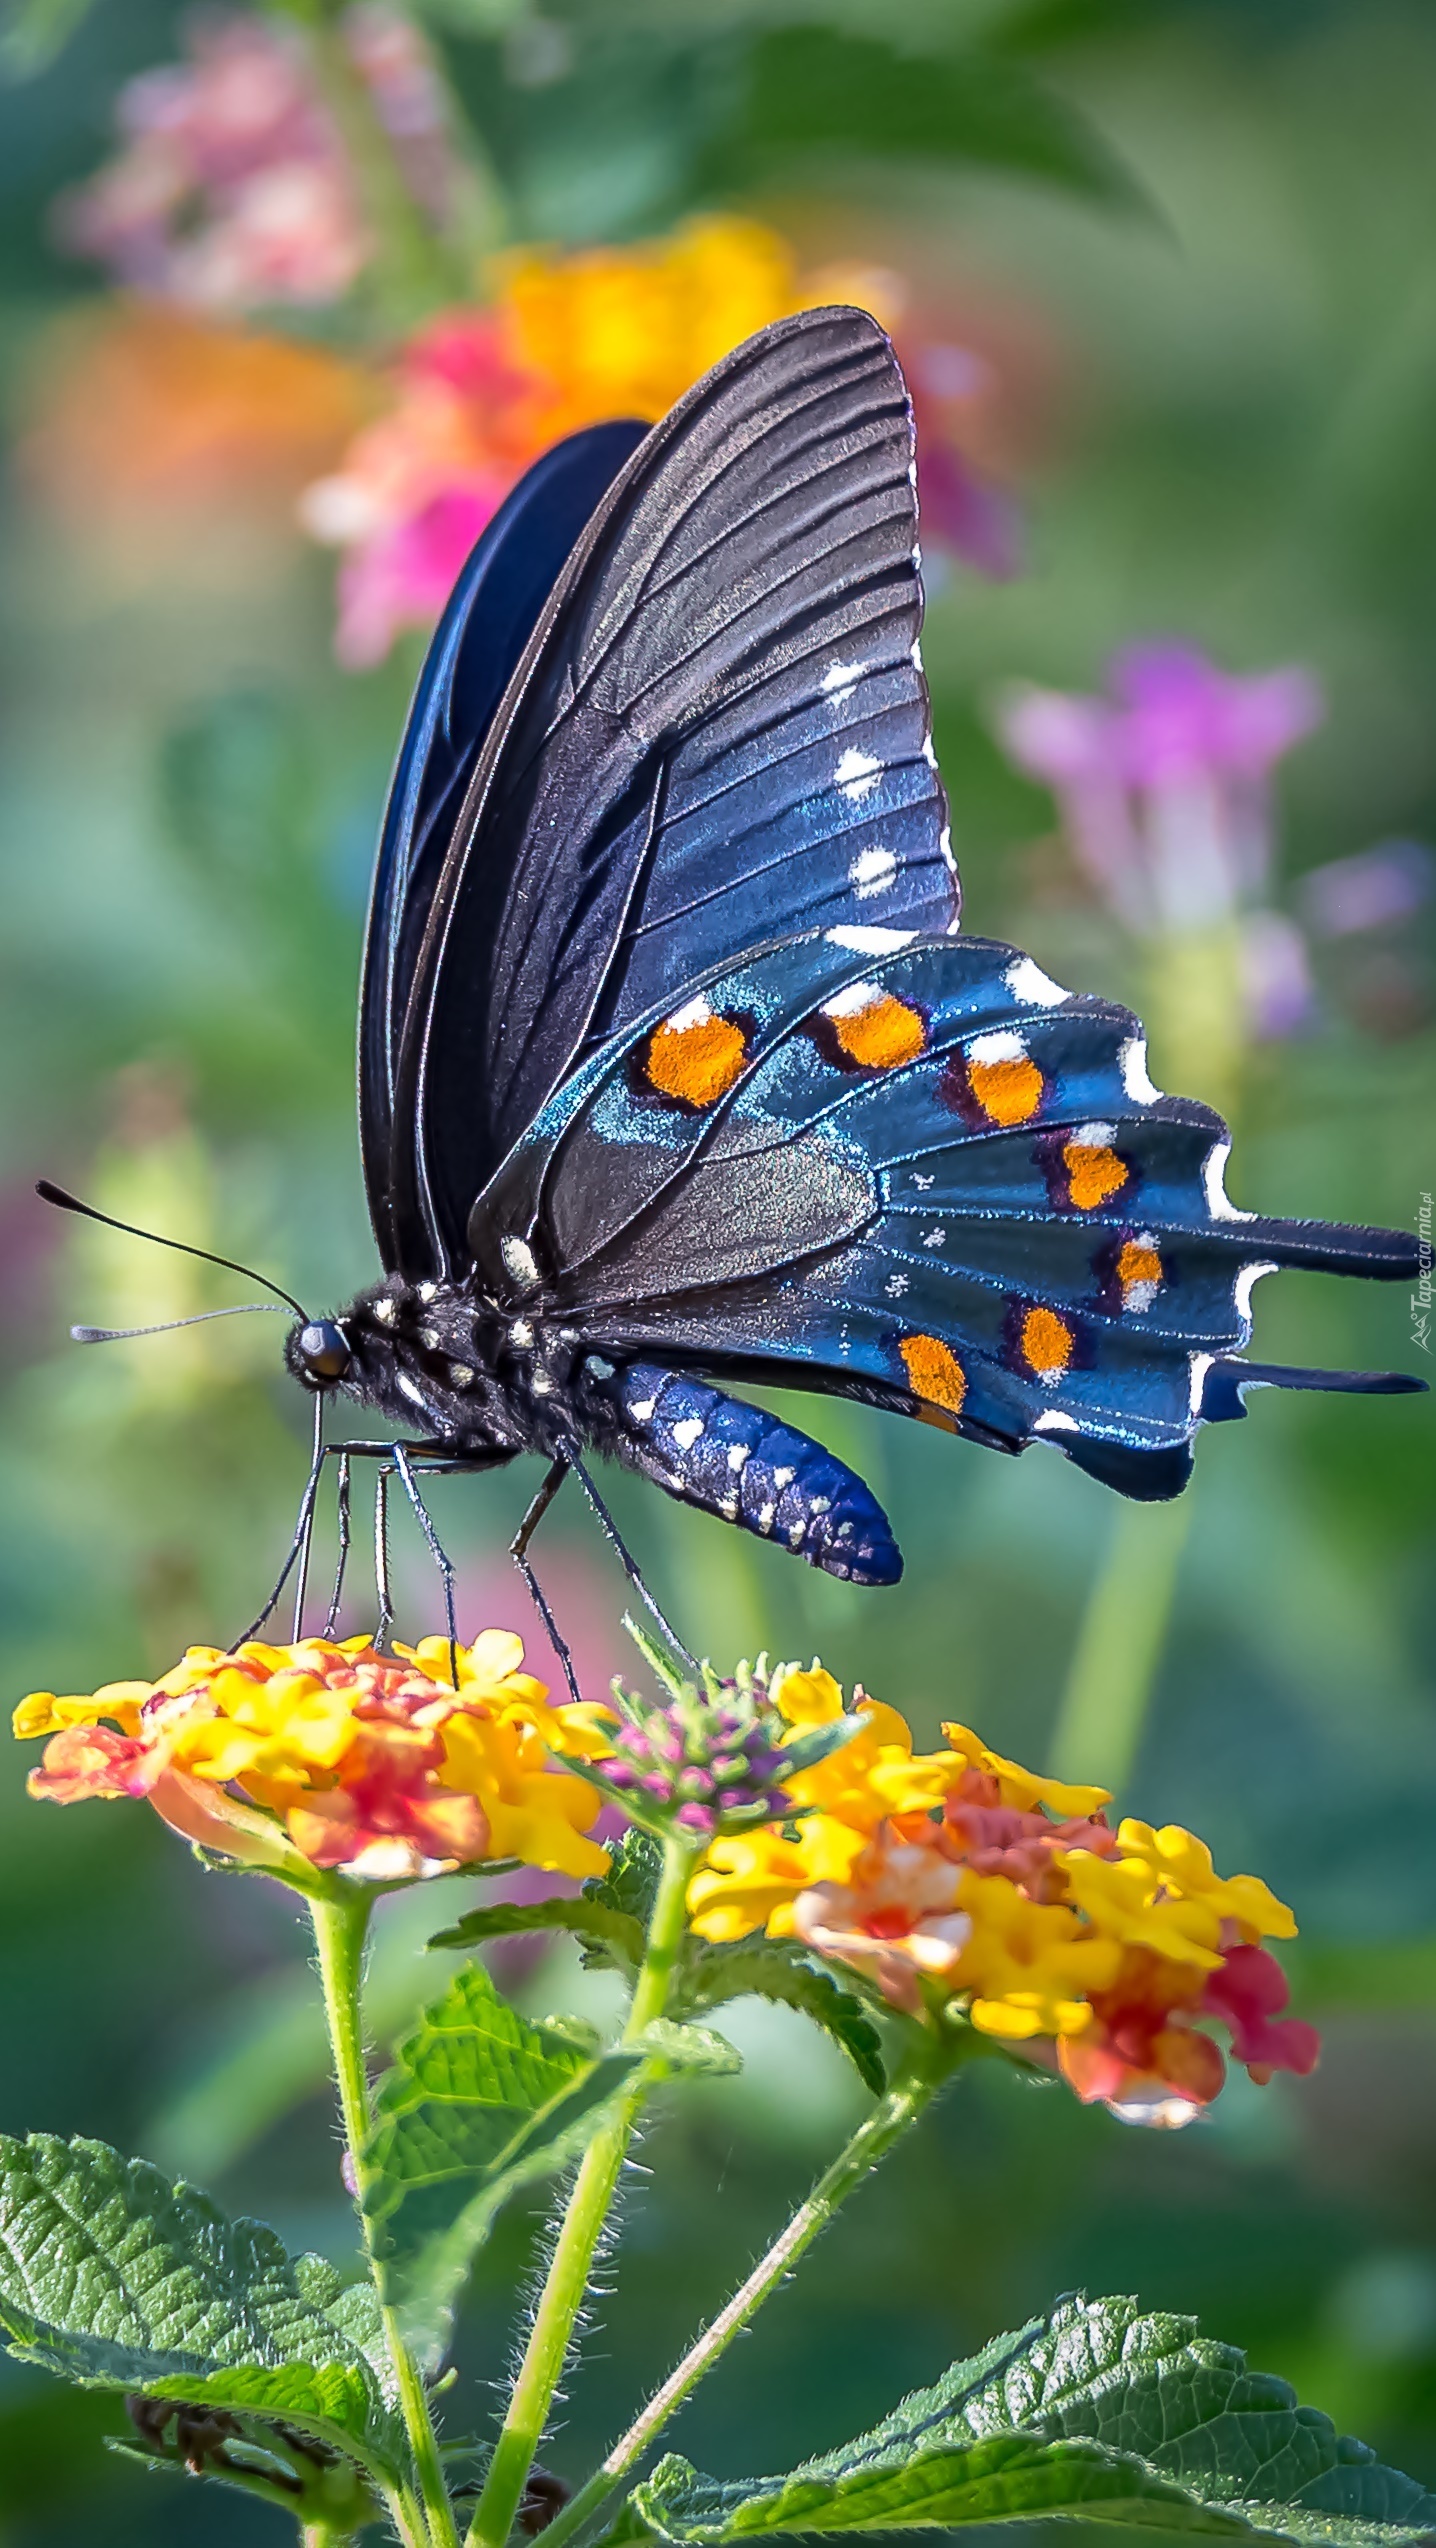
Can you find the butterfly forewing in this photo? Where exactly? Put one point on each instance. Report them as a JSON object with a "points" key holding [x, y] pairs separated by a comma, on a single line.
{"points": [[721, 717]]}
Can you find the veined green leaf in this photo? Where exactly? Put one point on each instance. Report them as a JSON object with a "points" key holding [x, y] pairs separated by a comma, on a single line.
{"points": [[478, 2103], [779, 1969], [616, 1934], [116, 2279], [631, 1884], [1096, 2412], [695, 2049]]}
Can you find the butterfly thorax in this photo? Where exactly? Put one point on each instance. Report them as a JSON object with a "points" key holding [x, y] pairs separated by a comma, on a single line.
{"points": [[444, 1362]]}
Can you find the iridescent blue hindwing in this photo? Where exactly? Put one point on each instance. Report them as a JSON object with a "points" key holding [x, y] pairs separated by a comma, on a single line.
{"points": [[913, 1169]]}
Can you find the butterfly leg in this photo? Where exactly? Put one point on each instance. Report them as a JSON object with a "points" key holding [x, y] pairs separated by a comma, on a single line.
{"points": [[303, 1532], [610, 1532], [331, 1616], [441, 1560], [383, 1588], [519, 1552]]}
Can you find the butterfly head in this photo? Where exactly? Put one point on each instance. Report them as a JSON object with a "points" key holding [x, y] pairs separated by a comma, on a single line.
{"points": [[318, 1353]]}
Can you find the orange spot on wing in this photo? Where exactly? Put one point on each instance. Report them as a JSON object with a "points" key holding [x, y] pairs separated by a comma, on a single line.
{"points": [[696, 1059], [882, 1034], [1009, 1092], [1093, 1173], [1139, 1271], [934, 1371], [1047, 1343]]}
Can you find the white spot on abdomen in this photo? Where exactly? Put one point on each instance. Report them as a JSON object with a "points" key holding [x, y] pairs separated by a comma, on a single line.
{"points": [[689, 1431]]}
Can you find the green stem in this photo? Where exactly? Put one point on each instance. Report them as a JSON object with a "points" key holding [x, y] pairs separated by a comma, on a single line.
{"points": [[890, 2118], [1119, 1644], [413, 272], [341, 1925], [587, 2210]]}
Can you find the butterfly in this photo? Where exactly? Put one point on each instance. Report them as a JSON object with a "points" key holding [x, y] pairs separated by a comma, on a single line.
{"points": [[675, 1071]]}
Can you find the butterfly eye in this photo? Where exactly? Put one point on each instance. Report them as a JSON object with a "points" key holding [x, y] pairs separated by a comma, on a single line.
{"points": [[324, 1350]]}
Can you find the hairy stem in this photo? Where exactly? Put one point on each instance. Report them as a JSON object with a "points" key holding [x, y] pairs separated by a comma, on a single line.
{"points": [[890, 2118], [582, 2226], [341, 1924]]}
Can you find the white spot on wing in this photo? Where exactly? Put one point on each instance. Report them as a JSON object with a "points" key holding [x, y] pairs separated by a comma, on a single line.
{"points": [[599, 1365], [1201, 1365], [921, 1182], [857, 774], [695, 1012], [1244, 1286], [840, 679], [895, 1286], [929, 751], [1052, 1420], [853, 999], [1093, 1136], [1003, 1046], [1219, 1203], [1029, 984], [872, 871], [917, 642], [870, 941], [1136, 1079], [935, 1237]]}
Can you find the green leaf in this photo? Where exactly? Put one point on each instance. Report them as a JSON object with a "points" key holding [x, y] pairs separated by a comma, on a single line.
{"points": [[615, 1935], [1095, 2412], [478, 2103], [776, 1969], [811, 88], [116, 2279], [631, 1884], [33, 32], [695, 2049]]}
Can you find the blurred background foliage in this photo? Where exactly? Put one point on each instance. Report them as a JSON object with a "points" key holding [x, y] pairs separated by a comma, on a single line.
{"points": [[1164, 274]]}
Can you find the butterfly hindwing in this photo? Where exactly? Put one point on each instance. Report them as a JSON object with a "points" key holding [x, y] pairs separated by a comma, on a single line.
{"points": [[720, 720], [911, 1169]]}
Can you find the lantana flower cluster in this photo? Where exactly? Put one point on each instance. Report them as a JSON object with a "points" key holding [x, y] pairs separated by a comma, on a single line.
{"points": [[957, 1881], [233, 189], [566, 341], [958, 1884], [337, 1756]]}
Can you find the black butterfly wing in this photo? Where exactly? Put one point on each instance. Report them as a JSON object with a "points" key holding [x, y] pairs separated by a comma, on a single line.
{"points": [[912, 1170], [487, 622], [720, 726]]}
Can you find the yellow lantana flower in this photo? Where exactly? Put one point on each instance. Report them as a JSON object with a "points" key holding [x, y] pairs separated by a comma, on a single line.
{"points": [[1183, 1865], [1029, 1965]]}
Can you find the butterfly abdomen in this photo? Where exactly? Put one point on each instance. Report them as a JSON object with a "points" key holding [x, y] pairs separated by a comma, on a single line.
{"points": [[752, 1469]]}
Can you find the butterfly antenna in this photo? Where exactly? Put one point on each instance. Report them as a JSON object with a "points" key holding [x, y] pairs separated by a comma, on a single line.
{"points": [[64, 1202], [117, 1335]]}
